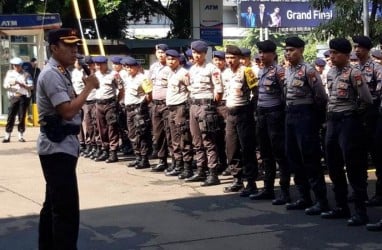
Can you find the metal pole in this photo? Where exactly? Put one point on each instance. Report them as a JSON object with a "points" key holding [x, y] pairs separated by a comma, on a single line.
{"points": [[365, 17], [94, 17], [78, 16]]}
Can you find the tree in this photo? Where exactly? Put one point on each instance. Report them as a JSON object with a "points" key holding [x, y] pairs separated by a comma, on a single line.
{"points": [[348, 19]]}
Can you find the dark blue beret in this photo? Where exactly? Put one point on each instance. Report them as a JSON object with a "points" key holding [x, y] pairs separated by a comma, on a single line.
{"points": [[161, 46], [130, 61], [199, 46], [233, 50], [320, 62], [182, 59], [266, 46], [172, 52], [294, 42], [218, 54], [89, 60], [327, 53], [100, 59], [377, 54], [341, 45], [363, 41], [353, 56], [245, 52], [116, 59], [189, 53]]}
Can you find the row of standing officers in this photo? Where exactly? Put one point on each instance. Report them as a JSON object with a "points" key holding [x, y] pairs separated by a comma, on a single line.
{"points": [[206, 115]]}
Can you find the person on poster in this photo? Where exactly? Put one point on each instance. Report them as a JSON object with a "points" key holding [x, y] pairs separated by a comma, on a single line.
{"points": [[249, 18], [275, 18], [262, 19]]}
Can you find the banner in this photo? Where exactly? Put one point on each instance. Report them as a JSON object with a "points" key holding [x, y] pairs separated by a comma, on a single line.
{"points": [[281, 14], [30, 21], [211, 21]]}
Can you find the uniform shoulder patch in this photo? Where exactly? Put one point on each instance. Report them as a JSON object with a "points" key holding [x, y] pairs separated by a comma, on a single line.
{"points": [[250, 77]]}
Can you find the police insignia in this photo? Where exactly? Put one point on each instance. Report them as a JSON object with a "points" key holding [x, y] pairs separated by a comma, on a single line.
{"points": [[147, 86], [250, 77]]}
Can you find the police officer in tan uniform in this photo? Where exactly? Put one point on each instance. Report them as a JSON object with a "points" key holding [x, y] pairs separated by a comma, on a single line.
{"points": [[240, 125], [178, 118], [344, 134], [137, 96], [108, 96], [206, 89]]}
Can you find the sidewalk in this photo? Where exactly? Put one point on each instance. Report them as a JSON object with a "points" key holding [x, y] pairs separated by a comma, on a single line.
{"points": [[124, 208]]}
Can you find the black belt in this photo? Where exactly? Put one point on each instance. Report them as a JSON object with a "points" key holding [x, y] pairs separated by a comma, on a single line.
{"points": [[264, 110], [239, 109], [90, 102], [131, 107], [175, 106], [159, 102], [340, 115], [106, 101], [202, 102], [67, 129], [298, 107]]}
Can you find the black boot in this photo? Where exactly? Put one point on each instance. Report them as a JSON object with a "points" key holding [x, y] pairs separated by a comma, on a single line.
{"points": [[187, 171], [318, 208], [282, 199], [103, 156], [92, 150], [144, 163], [97, 153], [162, 165], [265, 194], [236, 186], [112, 157], [200, 175], [249, 189], [87, 150], [135, 162], [212, 178], [178, 169], [171, 167]]}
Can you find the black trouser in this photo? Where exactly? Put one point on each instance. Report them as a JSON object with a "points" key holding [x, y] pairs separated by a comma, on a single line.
{"points": [[378, 159], [240, 141], [18, 105], [59, 216], [270, 131], [345, 147], [303, 151]]}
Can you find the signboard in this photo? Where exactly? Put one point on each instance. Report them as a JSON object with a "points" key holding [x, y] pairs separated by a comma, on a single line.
{"points": [[281, 14], [211, 21], [30, 21]]}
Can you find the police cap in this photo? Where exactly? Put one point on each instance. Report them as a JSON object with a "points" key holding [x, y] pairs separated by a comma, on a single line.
{"points": [[245, 52], [199, 46], [100, 59], [173, 53], [189, 53], [161, 46], [233, 50], [294, 42], [266, 46], [327, 53], [218, 54], [341, 45], [89, 60], [116, 59], [377, 54], [129, 61], [65, 35], [363, 41], [16, 61], [320, 62]]}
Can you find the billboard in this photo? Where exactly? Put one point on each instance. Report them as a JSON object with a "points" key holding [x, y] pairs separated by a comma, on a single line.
{"points": [[30, 21], [281, 14], [211, 21]]}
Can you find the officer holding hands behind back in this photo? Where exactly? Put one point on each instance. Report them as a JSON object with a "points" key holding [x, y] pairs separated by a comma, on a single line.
{"points": [[57, 144]]}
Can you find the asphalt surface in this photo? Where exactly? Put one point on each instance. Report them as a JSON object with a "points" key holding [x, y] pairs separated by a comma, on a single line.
{"points": [[124, 208]]}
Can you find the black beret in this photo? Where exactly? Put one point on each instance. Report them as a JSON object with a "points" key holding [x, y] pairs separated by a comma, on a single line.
{"points": [[363, 41], [199, 46], [182, 59], [172, 52], [161, 46], [295, 42], [377, 54], [116, 59], [320, 62], [130, 61], [89, 60], [266, 46], [218, 54], [66, 35], [341, 45], [245, 52], [100, 59], [233, 50]]}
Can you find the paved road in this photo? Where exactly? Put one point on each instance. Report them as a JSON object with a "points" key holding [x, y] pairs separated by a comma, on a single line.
{"points": [[124, 208]]}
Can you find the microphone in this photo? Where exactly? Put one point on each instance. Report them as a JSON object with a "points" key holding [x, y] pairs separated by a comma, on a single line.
{"points": [[82, 63]]}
